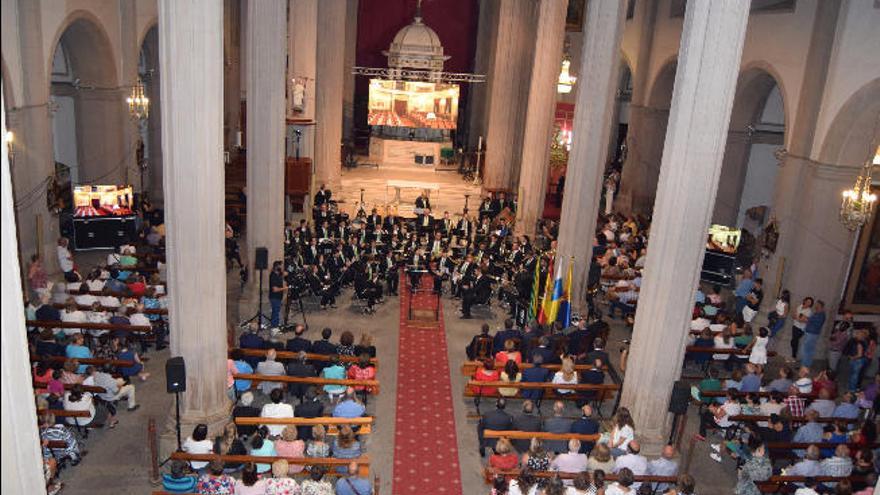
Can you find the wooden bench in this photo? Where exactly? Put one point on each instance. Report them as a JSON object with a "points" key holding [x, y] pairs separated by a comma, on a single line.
{"points": [[712, 350], [365, 423], [108, 309], [290, 355], [372, 385], [762, 394], [89, 326], [93, 361], [363, 461], [603, 392], [62, 413], [793, 419], [785, 450], [489, 474], [468, 368], [69, 386], [528, 435], [785, 484]]}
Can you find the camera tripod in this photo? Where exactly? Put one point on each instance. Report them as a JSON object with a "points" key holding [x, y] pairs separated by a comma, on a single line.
{"points": [[288, 307]]}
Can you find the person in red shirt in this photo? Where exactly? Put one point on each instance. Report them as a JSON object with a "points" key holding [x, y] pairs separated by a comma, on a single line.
{"points": [[505, 457], [487, 373], [363, 370], [42, 375], [508, 354], [138, 287], [825, 381]]}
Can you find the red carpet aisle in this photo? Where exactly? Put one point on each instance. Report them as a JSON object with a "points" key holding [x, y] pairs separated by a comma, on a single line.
{"points": [[425, 448]]}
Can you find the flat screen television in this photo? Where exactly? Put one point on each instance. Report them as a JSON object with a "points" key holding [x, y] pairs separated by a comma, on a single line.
{"points": [[413, 104], [102, 201]]}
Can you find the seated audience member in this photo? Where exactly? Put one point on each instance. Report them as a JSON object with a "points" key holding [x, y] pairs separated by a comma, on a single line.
{"points": [[51, 431], [751, 382], [825, 380], [773, 405], [497, 419], [810, 432], [600, 459], [346, 344], [47, 312], [290, 446], [250, 482], [543, 352], [863, 465], [823, 405], [242, 367], [509, 353], [244, 409], [315, 483], [42, 374], [324, 346], [198, 443], [536, 374], [276, 408], [251, 339], [69, 375], [665, 465], [535, 457], [709, 384], [623, 485], [598, 353], [718, 415], [115, 389], [472, 349], [317, 446], [487, 373], [300, 367], [632, 460], [215, 481], [836, 434], [566, 376], [622, 433], [298, 342], [777, 430], [310, 407], [365, 346], [354, 483], [77, 400], [334, 372], [77, 350], [280, 483], [270, 367], [794, 403], [505, 457], [804, 382], [508, 333], [585, 425], [127, 353], [362, 370], [261, 445], [177, 481], [346, 445], [72, 314], [840, 465], [783, 382], [808, 466], [510, 374], [847, 409], [47, 345], [526, 421], [572, 461], [557, 423], [229, 443], [349, 406]]}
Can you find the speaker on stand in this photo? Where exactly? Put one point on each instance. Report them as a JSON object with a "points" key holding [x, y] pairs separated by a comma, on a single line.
{"points": [[175, 382], [261, 263]]}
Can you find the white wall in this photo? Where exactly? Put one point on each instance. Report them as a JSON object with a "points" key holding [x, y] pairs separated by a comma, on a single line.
{"points": [[760, 181], [854, 62], [64, 134]]}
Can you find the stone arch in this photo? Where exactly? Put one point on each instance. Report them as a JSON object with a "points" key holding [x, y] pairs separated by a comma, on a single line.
{"points": [[854, 128], [99, 115], [660, 94], [749, 166], [153, 23]]}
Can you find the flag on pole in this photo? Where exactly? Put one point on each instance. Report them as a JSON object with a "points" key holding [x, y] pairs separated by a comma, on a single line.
{"points": [[548, 296], [564, 315], [553, 295], [536, 297]]}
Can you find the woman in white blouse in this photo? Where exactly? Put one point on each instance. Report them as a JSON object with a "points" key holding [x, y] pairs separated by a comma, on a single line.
{"points": [[803, 313], [566, 376]]}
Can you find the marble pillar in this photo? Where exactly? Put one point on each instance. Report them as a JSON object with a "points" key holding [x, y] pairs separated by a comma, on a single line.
{"points": [[192, 135], [507, 89], [591, 129], [34, 160], [329, 88], [266, 124], [351, 15], [23, 459], [709, 60], [540, 114]]}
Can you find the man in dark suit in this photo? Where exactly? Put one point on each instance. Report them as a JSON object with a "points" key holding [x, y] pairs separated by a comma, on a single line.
{"points": [[310, 407], [598, 352], [323, 195], [497, 419], [557, 424], [477, 292], [527, 421], [324, 346], [244, 409], [298, 342], [535, 374], [422, 202], [251, 339], [593, 376], [504, 335], [585, 425], [542, 351], [580, 338], [425, 222], [300, 367], [473, 347]]}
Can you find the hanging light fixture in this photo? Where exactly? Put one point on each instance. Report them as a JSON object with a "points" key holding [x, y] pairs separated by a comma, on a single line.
{"points": [[566, 81], [858, 202], [138, 103]]}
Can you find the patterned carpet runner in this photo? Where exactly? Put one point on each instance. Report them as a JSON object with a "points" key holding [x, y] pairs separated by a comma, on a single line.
{"points": [[425, 447]]}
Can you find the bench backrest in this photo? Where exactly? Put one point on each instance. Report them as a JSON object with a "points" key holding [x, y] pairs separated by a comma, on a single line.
{"points": [[373, 385], [528, 435], [89, 326], [289, 355]]}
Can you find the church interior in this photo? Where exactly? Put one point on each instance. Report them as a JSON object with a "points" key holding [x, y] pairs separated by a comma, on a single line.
{"points": [[359, 247]]}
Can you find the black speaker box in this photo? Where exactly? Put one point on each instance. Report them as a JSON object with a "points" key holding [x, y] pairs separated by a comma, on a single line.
{"points": [[681, 397], [261, 259], [175, 375]]}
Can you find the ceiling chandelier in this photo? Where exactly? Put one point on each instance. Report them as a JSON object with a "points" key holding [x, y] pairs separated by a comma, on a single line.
{"points": [[566, 81], [138, 103], [858, 202]]}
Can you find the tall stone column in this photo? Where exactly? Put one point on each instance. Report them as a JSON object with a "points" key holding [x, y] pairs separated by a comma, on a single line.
{"points": [[192, 135], [267, 47], [232, 71], [540, 113], [508, 88], [20, 439], [597, 85], [154, 120], [351, 16], [34, 155], [709, 59], [329, 89], [131, 130]]}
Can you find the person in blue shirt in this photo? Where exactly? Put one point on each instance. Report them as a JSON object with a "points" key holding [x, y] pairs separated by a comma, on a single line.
{"points": [[811, 333], [335, 372], [354, 484], [751, 382], [811, 432], [847, 409], [114, 283], [241, 367], [76, 350], [177, 481], [349, 406], [260, 445], [744, 287]]}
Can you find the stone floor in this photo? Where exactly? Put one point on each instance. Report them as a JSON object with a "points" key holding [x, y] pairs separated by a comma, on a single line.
{"points": [[118, 460]]}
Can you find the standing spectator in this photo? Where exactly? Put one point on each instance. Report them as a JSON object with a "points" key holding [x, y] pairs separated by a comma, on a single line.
{"points": [[65, 261], [756, 469], [277, 288], [841, 333], [803, 313], [858, 358], [38, 280], [776, 318], [742, 290], [812, 331]]}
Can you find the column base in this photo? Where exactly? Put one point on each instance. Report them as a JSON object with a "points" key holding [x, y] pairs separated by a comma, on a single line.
{"points": [[216, 422]]}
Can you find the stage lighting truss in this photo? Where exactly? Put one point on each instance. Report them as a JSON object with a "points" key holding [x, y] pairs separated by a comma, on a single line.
{"points": [[417, 75]]}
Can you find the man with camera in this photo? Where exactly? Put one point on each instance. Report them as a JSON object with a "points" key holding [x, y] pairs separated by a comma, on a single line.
{"points": [[277, 288]]}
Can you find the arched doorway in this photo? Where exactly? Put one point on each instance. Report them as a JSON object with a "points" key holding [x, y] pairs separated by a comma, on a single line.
{"points": [[88, 112], [756, 133]]}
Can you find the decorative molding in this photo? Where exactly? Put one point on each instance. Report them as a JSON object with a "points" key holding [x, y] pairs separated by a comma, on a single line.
{"points": [[418, 75]]}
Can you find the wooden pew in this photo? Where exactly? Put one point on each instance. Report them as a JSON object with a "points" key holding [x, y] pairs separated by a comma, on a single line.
{"points": [[793, 419], [763, 394], [528, 435], [93, 361], [365, 423], [373, 385], [89, 326], [81, 307], [468, 368], [61, 413], [489, 474], [603, 391], [785, 484], [712, 350], [785, 450], [289, 355], [69, 386], [363, 461]]}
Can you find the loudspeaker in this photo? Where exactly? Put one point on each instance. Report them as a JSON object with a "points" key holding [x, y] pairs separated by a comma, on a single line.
{"points": [[429, 159], [261, 259], [681, 397], [420, 159], [175, 375]]}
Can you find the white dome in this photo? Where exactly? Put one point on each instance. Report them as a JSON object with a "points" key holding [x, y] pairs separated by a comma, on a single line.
{"points": [[416, 46]]}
